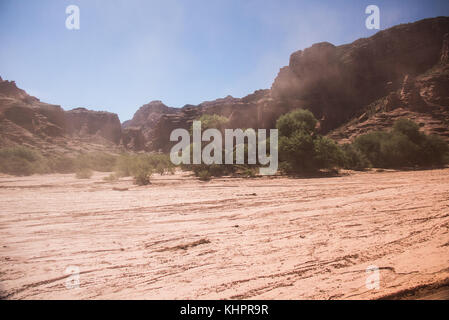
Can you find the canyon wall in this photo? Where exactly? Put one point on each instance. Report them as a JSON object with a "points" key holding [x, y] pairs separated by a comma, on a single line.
{"points": [[352, 89]]}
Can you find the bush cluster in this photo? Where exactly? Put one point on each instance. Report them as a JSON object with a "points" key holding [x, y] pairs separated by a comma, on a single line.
{"points": [[22, 161], [84, 173], [403, 146], [302, 150], [142, 166]]}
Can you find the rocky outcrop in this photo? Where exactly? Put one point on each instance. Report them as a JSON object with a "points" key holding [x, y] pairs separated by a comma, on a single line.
{"points": [[409, 95], [389, 70], [444, 57], [8, 89], [84, 123], [146, 120], [149, 114], [351, 89], [27, 121], [133, 139], [424, 100], [431, 123], [257, 110], [335, 82]]}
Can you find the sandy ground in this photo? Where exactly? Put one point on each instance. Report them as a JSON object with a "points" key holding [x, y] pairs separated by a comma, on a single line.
{"points": [[263, 238]]}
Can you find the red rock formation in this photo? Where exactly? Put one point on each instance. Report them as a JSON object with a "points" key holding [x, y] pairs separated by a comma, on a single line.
{"points": [[133, 139], [351, 88], [409, 95], [149, 114], [444, 58], [146, 119], [337, 83], [26, 120], [82, 122]]}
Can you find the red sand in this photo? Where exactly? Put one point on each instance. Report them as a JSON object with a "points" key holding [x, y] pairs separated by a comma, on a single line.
{"points": [[264, 238]]}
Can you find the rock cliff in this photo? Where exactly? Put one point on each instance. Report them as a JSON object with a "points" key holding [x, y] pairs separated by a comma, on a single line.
{"points": [[352, 89]]}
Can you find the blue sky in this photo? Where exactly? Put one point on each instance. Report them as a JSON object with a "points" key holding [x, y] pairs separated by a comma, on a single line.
{"points": [[130, 52]]}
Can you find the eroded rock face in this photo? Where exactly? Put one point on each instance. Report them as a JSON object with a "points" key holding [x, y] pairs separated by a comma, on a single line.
{"points": [[257, 110], [8, 89], [82, 122], [433, 85], [149, 114], [424, 100], [410, 96], [159, 138], [337, 83], [361, 84], [27, 121], [133, 139], [444, 58], [146, 119]]}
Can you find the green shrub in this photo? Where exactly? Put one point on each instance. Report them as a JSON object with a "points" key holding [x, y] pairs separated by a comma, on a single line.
{"points": [[130, 165], [298, 151], [327, 153], [354, 159], [17, 167], [141, 168], [445, 158], [98, 161], [142, 175], [212, 121], [209, 121], [160, 168], [249, 172], [434, 151], [204, 175], [370, 145], [62, 164], [214, 170], [398, 150], [84, 173], [408, 128], [26, 161], [111, 178], [21, 152], [124, 165], [160, 162], [402, 146], [297, 120], [22, 161], [301, 149]]}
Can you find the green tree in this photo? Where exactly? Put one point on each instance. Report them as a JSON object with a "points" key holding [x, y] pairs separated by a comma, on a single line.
{"points": [[409, 129], [297, 120], [301, 149], [404, 145]]}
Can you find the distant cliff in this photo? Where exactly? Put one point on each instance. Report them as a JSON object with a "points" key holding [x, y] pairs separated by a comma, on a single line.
{"points": [[352, 89], [404, 64], [27, 121]]}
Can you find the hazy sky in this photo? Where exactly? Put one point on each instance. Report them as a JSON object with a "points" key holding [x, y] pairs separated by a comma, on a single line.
{"points": [[128, 53]]}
